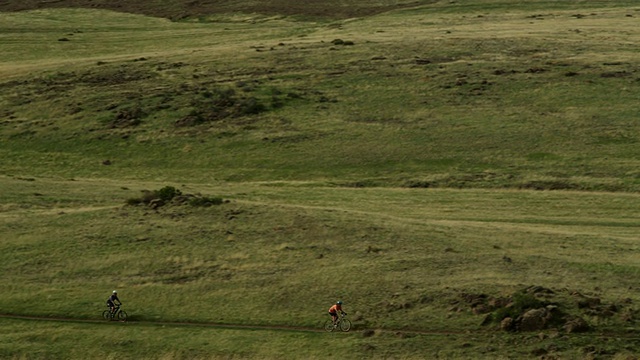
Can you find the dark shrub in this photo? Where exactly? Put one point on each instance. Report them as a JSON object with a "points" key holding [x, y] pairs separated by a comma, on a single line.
{"points": [[134, 201], [128, 117], [171, 195], [519, 304], [167, 193], [225, 98], [251, 106], [205, 201]]}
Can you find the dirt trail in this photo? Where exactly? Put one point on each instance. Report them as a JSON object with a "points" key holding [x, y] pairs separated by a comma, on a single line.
{"points": [[54, 211], [229, 326], [162, 323], [248, 327]]}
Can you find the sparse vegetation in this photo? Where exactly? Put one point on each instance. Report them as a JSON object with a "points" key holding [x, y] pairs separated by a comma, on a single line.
{"points": [[450, 170], [206, 201], [162, 195], [170, 194]]}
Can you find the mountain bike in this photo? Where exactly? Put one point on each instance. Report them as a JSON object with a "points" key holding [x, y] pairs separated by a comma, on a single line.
{"points": [[342, 324], [117, 314]]}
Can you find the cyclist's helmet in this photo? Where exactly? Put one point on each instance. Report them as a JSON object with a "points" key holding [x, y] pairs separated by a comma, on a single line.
{"points": [[339, 302], [114, 292]]}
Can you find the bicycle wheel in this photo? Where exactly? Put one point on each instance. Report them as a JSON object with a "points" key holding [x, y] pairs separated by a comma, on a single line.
{"points": [[345, 325], [328, 326], [106, 315], [122, 315]]}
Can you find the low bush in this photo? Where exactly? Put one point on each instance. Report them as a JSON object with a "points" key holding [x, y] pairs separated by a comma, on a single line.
{"points": [[520, 302], [170, 194], [167, 193], [205, 201]]}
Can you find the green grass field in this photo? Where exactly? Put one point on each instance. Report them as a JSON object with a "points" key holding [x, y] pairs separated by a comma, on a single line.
{"points": [[424, 165]]}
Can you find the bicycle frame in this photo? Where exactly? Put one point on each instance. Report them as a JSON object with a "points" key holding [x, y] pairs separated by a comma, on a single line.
{"points": [[342, 324], [117, 313]]}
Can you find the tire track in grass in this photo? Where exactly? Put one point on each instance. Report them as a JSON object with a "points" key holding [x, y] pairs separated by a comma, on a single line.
{"points": [[627, 334], [56, 211], [161, 323]]}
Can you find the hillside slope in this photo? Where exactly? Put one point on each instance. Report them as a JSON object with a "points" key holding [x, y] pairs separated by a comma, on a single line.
{"points": [[434, 96], [248, 170], [178, 9]]}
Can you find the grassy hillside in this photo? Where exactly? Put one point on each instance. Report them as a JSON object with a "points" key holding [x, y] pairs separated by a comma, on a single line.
{"points": [[405, 261], [532, 100], [390, 160], [184, 9]]}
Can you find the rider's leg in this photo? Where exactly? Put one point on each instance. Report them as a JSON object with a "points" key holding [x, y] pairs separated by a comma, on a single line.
{"points": [[113, 311]]}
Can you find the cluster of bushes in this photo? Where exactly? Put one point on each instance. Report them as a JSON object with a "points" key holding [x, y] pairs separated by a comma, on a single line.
{"points": [[519, 304], [221, 103], [342, 42], [536, 308], [128, 117], [171, 195]]}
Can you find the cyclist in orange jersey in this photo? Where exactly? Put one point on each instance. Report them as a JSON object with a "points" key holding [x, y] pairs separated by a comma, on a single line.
{"points": [[333, 311]]}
